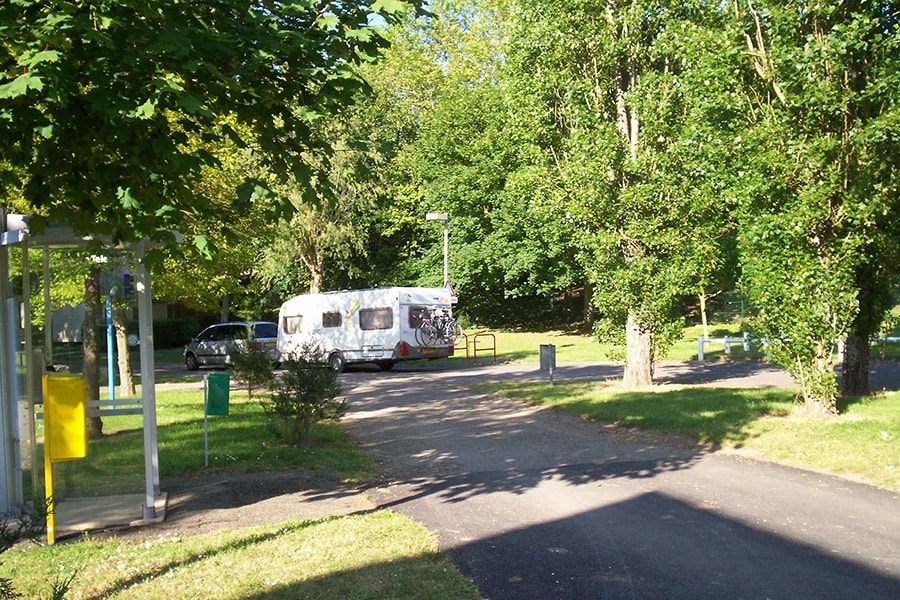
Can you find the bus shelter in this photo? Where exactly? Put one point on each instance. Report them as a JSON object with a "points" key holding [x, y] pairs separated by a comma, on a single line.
{"points": [[21, 365]]}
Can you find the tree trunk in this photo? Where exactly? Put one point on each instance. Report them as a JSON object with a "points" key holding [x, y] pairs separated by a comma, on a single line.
{"points": [[93, 309], [225, 309], [875, 299], [856, 365], [588, 306], [702, 297], [315, 281], [638, 355], [316, 271], [126, 375]]}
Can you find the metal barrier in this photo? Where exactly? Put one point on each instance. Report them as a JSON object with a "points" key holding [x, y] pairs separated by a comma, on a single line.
{"points": [[106, 408], [473, 345], [115, 408], [727, 341]]}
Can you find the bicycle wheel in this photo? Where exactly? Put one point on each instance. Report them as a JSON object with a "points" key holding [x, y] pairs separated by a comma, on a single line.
{"points": [[454, 332], [427, 334]]}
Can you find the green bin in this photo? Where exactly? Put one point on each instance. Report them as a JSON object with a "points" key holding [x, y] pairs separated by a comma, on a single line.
{"points": [[217, 394]]}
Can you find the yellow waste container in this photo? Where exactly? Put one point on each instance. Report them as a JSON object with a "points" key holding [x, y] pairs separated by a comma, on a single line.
{"points": [[65, 416]]}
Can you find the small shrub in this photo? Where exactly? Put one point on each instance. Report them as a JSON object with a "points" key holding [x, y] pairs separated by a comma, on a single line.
{"points": [[31, 525], [251, 367], [305, 394]]}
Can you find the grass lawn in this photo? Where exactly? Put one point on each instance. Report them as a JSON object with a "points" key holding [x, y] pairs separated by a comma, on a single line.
{"points": [[377, 555], [240, 442], [862, 443], [517, 346]]}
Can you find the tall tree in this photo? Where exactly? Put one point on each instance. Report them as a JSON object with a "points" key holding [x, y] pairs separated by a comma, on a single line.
{"points": [[820, 220], [634, 97]]}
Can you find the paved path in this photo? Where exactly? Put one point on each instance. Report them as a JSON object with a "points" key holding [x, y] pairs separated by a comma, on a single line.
{"points": [[536, 504]]}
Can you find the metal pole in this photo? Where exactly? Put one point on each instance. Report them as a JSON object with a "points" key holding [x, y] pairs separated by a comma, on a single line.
{"points": [[446, 251], [8, 483], [206, 419], [148, 381], [48, 312], [110, 348]]}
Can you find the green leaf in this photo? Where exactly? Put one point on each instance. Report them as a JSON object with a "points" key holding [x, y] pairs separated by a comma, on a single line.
{"points": [[145, 110], [389, 6], [201, 243], [45, 56], [327, 21], [128, 201], [20, 86]]}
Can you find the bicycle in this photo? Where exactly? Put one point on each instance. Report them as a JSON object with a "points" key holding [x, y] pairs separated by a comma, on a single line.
{"points": [[437, 327]]}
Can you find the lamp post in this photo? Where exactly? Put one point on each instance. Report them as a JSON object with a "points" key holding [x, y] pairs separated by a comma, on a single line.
{"points": [[446, 219]]}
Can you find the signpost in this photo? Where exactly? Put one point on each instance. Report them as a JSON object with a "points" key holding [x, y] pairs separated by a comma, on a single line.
{"points": [[65, 430], [215, 403]]}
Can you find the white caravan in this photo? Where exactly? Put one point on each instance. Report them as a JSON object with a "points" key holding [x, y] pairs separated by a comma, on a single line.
{"points": [[376, 325]]}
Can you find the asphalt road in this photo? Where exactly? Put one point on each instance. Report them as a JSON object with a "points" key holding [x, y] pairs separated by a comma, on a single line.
{"points": [[536, 504]]}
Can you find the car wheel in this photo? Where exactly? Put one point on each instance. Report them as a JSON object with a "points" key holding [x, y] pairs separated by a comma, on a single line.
{"points": [[190, 361], [385, 365], [336, 362]]}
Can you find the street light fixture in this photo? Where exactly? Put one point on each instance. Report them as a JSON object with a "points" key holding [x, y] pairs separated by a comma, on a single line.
{"points": [[446, 219]]}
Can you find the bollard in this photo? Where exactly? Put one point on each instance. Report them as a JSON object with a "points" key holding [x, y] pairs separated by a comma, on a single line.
{"points": [[548, 359]]}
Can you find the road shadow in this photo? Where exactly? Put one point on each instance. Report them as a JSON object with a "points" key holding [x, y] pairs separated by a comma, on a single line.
{"points": [[657, 546]]}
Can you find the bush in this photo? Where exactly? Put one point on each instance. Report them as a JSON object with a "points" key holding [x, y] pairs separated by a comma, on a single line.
{"points": [[172, 333], [251, 367], [31, 525], [305, 394]]}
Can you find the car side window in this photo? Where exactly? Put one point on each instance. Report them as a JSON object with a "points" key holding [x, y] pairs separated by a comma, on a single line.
{"points": [[237, 332], [208, 335]]}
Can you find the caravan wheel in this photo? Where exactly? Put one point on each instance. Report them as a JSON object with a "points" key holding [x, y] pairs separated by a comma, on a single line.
{"points": [[385, 365], [336, 362]]}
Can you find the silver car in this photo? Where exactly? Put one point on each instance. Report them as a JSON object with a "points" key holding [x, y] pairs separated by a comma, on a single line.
{"points": [[210, 347]]}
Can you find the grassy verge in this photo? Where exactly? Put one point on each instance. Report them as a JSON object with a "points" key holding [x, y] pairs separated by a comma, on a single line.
{"points": [[516, 346], [378, 555], [240, 442], [863, 443]]}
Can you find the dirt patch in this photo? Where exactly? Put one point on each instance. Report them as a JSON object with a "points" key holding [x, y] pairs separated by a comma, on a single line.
{"points": [[205, 504]]}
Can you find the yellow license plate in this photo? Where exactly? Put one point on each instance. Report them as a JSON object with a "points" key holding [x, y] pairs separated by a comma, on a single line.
{"points": [[427, 350]]}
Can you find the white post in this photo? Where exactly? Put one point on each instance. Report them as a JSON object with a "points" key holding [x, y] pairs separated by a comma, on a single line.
{"points": [[148, 380], [446, 251], [446, 219], [48, 312], [700, 342], [10, 488]]}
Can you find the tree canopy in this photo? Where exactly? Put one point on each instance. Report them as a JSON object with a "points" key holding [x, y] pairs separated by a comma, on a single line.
{"points": [[99, 101]]}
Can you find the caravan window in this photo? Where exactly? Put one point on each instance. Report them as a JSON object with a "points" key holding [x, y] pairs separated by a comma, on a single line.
{"points": [[416, 315], [376, 318], [331, 319], [292, 323]]}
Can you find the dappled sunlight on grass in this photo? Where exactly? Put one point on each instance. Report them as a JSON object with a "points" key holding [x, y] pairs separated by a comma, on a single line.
{"points": [[385, 554], [709, 415], [863, 442], [240, 442]]}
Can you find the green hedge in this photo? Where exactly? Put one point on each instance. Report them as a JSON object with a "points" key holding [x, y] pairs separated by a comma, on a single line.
{"points": [[174, 333]]}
